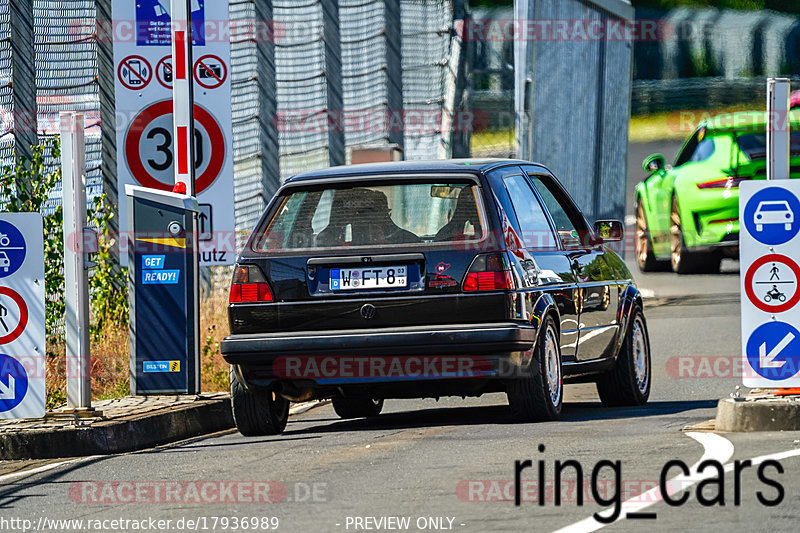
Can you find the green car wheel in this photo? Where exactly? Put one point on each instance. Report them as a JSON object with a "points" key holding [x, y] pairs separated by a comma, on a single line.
{"points": [[645, 258], [683, 260]]}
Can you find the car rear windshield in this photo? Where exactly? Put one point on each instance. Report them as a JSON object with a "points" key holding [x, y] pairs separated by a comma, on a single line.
{"points": [[367, 215], [754, 145]]}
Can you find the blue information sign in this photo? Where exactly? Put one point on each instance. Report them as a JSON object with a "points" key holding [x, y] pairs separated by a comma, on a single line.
{"points": [[773, 351], [772, 216], [12, 249], [13, 383]]}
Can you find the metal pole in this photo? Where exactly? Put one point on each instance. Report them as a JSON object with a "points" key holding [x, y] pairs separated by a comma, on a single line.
{"points": [[23, 77], [778, 90], [73, 164], [108, 117], [268, 104], [333, 78], [394, 68], [183, 96]]}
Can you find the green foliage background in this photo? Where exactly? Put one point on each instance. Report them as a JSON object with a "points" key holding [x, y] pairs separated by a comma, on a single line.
{"points": [[25, 188]]}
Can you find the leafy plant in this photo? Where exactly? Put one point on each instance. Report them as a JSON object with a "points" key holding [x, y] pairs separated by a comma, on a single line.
{"points": [[28, 187], [107, 287]]}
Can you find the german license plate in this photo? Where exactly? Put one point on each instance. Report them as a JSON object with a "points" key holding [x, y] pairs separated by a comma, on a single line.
{"points": [[387, 277]]}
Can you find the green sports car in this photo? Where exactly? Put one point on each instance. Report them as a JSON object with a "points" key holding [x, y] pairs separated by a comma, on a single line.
{"points": [[687, 214]]}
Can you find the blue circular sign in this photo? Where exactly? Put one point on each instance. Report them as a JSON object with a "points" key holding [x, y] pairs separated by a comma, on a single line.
{"points": [[12, 249], [772, 216], [13, 383], [773, 351]]}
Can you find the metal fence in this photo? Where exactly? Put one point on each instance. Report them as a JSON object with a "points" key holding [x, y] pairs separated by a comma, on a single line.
{"points": [[574, 96], [708, 42], [331, 58], [655, 96]]}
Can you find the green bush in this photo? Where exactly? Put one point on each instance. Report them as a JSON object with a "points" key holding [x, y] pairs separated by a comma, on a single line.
{"points": [[26, 188]]}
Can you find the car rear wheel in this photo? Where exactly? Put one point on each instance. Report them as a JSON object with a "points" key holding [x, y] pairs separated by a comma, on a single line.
{"points": [[538, 394], [628, 383], [357, 407], [683, 260], [257, 412], [645, 258]]}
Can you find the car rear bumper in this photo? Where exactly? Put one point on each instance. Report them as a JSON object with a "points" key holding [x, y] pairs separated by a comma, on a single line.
{"points": [[461, 339]]}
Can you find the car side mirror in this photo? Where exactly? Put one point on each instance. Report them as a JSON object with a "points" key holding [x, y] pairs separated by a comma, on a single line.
{"points": [[609, 230], [654, 163]]}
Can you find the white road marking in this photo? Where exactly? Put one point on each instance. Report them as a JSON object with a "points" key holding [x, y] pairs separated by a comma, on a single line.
{"points": [[44, 468], [714, 447]]}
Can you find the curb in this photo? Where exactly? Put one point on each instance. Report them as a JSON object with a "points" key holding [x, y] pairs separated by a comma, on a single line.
{"points": [[119, 435], [123, 435], [762, 414]]}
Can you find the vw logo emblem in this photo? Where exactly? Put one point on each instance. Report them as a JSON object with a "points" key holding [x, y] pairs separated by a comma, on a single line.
{"points": [[368, 311]]}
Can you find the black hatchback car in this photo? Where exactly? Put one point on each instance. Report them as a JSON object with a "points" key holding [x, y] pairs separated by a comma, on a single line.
{"points": [[429, 279]]}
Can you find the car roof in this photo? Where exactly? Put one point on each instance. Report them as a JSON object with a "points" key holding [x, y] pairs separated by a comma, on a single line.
{"points": [[745, 122], [473, 166]]}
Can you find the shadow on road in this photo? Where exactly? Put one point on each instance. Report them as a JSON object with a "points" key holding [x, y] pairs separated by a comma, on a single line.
{"points": [[496, 414]]}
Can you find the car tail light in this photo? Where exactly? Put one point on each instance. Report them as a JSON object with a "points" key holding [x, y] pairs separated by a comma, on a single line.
{"points": [[724, 183], [715, 184], [489, 272], [249, 285]]}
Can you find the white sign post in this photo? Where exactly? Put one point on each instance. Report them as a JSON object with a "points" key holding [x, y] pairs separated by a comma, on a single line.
{"points": [[151, 144], [778, 90], [769, 254], [22, 313], [76, 281]]}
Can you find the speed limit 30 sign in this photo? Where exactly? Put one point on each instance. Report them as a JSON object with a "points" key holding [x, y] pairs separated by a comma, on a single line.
{"points": [[149, 146], [145, 126]]}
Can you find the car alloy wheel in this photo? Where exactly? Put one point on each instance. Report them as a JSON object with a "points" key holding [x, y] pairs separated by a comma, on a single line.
{"points": [[555, 384], [676, 236], [645, 258], [684, 261], [628, 381], [641, 354], [536, 393]]}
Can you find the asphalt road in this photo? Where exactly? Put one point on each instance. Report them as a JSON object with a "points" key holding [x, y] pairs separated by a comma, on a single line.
{"points": [[450, 465]]}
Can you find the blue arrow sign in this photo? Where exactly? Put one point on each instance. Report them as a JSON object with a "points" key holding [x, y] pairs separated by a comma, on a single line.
{"points": [[13, 383], [12, 249], [772, 216], [773, 351]]}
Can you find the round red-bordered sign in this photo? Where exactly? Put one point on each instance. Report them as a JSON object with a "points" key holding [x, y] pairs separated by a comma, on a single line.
{"points": [[134, 136], [165, 66], [136, 80], [748, 283], [23, 315], [210, 79]]}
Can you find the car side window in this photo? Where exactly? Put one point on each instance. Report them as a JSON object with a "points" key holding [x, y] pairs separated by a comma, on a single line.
{"points": [[569, 223], [704, 150], [698, 148], [536, 229]]}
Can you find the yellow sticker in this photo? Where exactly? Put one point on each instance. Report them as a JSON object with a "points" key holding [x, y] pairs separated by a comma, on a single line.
{"points": [[174, 366]]}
